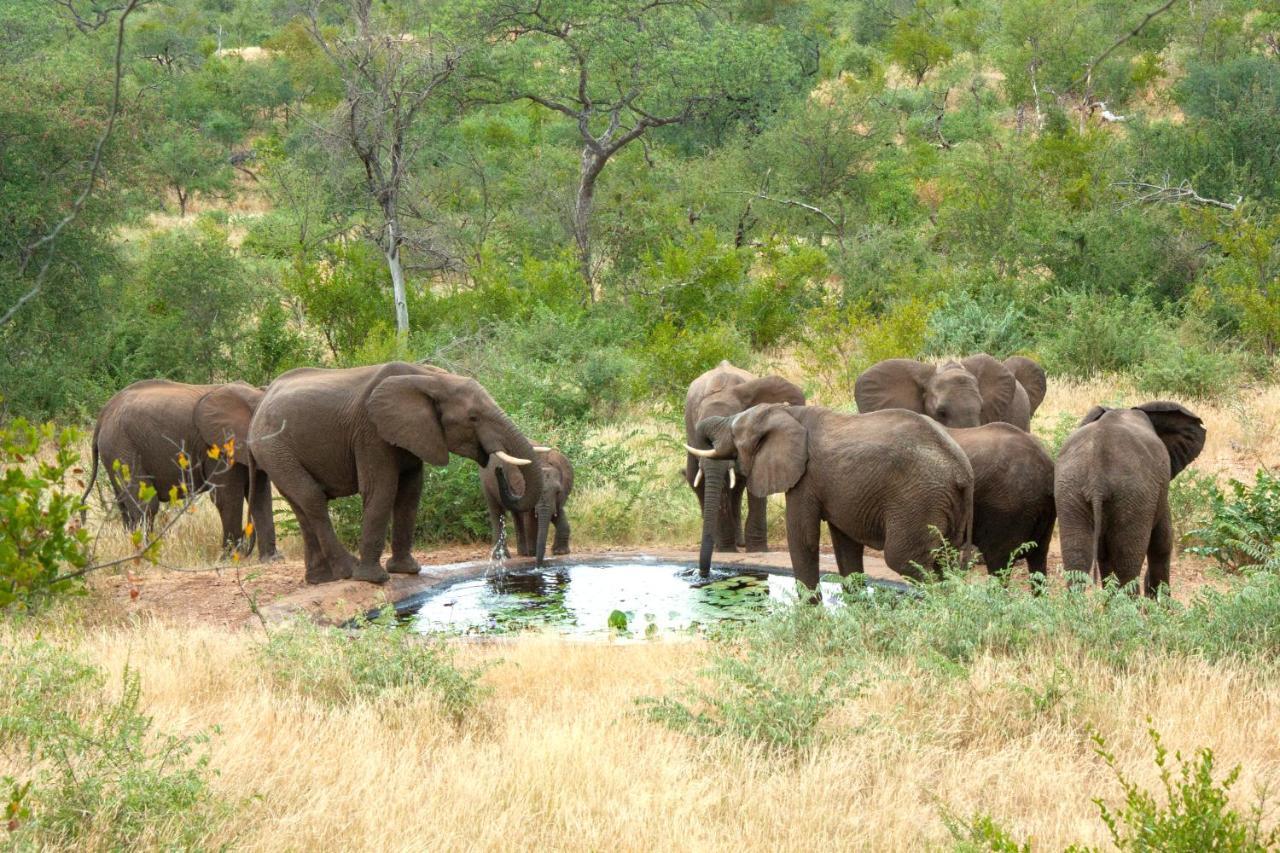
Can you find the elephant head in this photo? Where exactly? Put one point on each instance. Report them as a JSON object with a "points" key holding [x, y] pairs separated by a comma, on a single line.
{"points": [[969, 393], [717, 469], [223, 416], [556, 485], [1180, 430], [433, 413]]}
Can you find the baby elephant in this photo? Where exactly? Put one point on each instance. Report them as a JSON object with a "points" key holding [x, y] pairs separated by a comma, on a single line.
{"points": [[1012, 494], [531, 526], [1112, 489]]}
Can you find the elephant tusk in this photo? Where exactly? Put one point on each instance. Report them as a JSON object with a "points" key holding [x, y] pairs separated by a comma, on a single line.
{"points": [[697, 451], [512, 460], [733, 480], [697, 479], [540, 449]]}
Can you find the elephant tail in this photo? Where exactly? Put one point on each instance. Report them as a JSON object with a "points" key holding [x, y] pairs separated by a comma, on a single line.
{"points": [[93, 474], [1095, 570]]}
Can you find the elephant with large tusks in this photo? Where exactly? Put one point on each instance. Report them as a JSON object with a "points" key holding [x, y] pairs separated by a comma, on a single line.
{"points": [[531, 527], [893, 480], [323, 434], [722, 391], [968, 393], [161, 432], [1012, 494], [1111, 485]]}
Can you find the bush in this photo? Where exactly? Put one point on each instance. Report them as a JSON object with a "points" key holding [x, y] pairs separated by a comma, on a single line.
{"points": [[1084, 334], [379, 660], [40, 536], [1243, 523], [843, 341], [96, 774], [966, 324]]}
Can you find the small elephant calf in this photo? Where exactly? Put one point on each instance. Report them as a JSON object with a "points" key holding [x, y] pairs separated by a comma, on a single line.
{"points": [[531, 526], [1012, 494], [1111, 487]]}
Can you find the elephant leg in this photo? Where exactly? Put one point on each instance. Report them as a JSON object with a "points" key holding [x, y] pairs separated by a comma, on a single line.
{"points": [[739, 536], [803, 528], [403, 520], [1159, 553], [1124, 541], [997, 557], [379, 498], [1075, 527], [332, 561], [757, 523], [524, 536], [848, 552], [264, 522], [318, 568], [228, 496], [727, 530], [909, 542], [561, 544]]}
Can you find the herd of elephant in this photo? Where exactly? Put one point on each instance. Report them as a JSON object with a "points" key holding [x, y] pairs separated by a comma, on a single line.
{"points": [[935, 451]]}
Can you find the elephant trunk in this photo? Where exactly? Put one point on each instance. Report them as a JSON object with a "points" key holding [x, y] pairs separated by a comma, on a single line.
{"points": [[543, 515], [513, 442], [715, 473]]}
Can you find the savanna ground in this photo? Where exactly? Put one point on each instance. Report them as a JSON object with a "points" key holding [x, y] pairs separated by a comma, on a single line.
{"points": [[543, 743]]}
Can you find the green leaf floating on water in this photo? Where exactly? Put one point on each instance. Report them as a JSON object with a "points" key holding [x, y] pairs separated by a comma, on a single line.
{"points": [[618, 620]]}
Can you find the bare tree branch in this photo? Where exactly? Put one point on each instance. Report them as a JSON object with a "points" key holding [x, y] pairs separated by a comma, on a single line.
{"points": [[1148, 193], [1087, 77]]}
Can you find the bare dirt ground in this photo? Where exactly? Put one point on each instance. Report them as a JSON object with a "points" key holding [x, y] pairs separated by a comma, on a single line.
{"points": [[225, 596]]}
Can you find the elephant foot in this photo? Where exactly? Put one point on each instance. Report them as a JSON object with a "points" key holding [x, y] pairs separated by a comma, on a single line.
{"points": [[370, 573], [758, 547], [560, 550], [403, 565], [344, 567], [273, 557], [320, 572]]}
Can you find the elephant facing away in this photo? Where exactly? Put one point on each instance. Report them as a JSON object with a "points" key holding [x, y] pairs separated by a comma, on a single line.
{"points": [[723, 391], [1012, 494], [880, 480], [1111, 486], [974, 391], [323, 434], [148, 424], [531, 527]]}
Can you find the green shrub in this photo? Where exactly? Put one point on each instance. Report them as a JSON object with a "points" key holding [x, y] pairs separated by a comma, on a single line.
{"points": [[1188, 365], [1082, 334], [40, 536], [379, 660], [95, 772], [1192, 498], [966, 324], [1244, 522]]}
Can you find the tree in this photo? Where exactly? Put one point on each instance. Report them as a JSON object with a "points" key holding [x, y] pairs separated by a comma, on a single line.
{"points": [[389, 75], [618, 69], [189, 163]]}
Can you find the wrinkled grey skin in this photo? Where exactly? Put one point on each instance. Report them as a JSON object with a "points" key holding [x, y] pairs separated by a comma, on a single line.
{"points": [[324, 434], [977, 390], [722, 391], [880, 480], [1111, 485], [147, 424], [531, 527], [1012, 494]]}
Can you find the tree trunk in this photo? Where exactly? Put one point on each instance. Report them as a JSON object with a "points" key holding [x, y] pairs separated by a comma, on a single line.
{"points": [[397, 278], [592, 164]]}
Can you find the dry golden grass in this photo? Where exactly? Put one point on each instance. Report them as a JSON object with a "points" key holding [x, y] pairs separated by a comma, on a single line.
{"points": [[557, 759]]}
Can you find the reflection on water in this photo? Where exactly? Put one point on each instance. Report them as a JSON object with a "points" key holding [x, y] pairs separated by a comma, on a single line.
{"points": [[578, 599]]}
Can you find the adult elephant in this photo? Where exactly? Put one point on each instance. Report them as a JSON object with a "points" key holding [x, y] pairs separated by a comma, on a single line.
{"points": [[323, 434], [968, 393], [531, 527], [891, 480], [1111, 485], [1012, 494], [151, 426], [726, 390]]}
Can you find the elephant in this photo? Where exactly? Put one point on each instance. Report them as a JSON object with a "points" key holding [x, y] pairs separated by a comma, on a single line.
{"points": [[324, 433], [1111, 486], [975, 391], [531, 527], [880, 480], [148, 424], [721, 391], [1012, 494]]}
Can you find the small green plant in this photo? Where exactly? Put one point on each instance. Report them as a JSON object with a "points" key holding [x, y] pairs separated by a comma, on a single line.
{"points": [[1195, 814], [982, 834], [40, 535], [376, 659], [1243, 522]]}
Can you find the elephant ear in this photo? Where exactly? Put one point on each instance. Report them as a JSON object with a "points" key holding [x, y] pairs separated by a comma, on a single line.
{"points": [[896, 383], [996, 384], [1092, 415], [1032, 378], [224, 414], [769, 389], [404, 413], [773, 448], [1182, 432]]}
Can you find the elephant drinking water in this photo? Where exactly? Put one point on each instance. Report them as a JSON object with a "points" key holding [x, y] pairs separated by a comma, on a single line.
{"points": [[531, 527]]}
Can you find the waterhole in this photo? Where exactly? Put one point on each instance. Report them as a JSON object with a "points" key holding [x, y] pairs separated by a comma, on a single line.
{"points": [[635, 599]]}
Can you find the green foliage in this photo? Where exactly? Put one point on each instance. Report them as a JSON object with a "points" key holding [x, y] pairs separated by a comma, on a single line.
{"points": [[95, 772], [1192, 813], [1243, 522], [40, 535], [379, 661]]}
